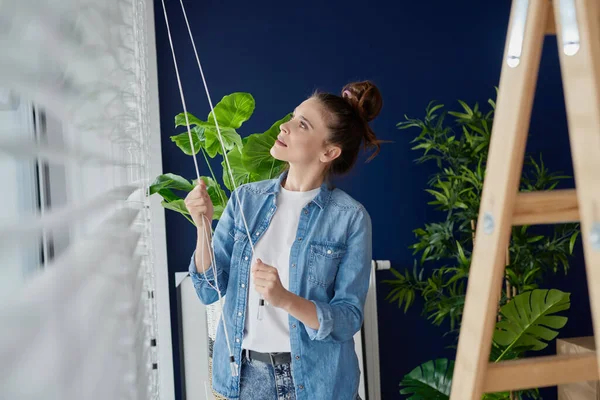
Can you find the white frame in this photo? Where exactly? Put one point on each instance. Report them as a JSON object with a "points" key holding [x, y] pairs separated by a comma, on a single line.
{"points": [[164, 340]]}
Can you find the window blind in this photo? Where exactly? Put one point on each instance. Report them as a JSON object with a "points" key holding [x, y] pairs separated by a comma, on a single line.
{"points": [[84, 324]]}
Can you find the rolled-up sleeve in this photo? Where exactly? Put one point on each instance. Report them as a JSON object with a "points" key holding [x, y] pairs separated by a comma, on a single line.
{"points": [[207, 282], [342, 317]]}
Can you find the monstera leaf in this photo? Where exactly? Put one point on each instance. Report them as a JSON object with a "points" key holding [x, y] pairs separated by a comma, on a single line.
{"points": [[429, 381], [529, 320]]}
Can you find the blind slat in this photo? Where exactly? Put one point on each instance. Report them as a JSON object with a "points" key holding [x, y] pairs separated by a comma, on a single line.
{"points": [[25, 149], [32, 225]]}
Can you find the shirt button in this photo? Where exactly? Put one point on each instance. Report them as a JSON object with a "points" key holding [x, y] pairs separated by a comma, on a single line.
{"points": [[246, 258], [299, 239], [305, 211], [243, 285], [328, 251], [237, 340], [257, 233], [300, 387], [297, 357], [239, 314], [293, 265], [294, 326]]}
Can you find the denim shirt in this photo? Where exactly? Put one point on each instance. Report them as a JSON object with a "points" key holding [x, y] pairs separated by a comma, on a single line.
{"points": [[330, 264]]}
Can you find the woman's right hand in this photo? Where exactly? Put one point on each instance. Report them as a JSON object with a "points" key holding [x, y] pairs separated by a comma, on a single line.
{"points": [[198, 204]]}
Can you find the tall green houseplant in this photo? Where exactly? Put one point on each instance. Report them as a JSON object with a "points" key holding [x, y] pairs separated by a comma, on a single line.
{"points": [[249, 157], [529, 316]]}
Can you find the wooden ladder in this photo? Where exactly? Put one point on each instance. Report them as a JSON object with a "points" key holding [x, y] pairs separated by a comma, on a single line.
{"points": [[576, 23]]}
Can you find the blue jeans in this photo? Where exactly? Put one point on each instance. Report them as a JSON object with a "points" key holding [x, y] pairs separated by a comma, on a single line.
{"points": [[262, 381]]}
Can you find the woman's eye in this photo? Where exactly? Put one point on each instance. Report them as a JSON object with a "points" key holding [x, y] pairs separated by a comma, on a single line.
{"points": [[302, 124]]}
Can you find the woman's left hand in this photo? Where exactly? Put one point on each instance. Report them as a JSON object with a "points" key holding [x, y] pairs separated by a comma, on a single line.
{"points": [[267, 283]]}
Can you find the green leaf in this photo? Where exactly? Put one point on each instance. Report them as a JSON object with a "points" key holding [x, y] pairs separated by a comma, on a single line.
{"points": [[497, 354], [233, 110], [496, 396], [459, 115], [217, 195], [168, 195], [466, 107], [529, 320], [433, 109], [461, 254], [534, 239], [170, 181], [177, 205], [180, 119], [572, 241], [183, 140], [256, 154], [230, 137], [240, 174], [431, 380]]}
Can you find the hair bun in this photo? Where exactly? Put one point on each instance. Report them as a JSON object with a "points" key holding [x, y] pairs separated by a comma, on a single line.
{"points": [[365, 98]]}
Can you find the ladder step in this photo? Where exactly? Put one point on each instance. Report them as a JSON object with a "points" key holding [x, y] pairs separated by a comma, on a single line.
{"points": [[540, 372], [546, 207]]}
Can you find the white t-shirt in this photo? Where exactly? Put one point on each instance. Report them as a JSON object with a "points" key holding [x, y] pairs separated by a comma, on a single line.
{"points": [[272, 334]]}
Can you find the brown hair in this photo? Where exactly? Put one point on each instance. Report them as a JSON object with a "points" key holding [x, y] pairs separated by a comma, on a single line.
{"points": [[348, 120]]}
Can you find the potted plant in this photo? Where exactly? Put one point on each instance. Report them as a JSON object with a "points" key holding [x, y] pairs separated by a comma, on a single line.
{"points": [[249, 161], [249, 157], [528, 314]]}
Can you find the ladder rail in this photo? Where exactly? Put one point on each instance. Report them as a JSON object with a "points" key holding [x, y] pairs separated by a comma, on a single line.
{"points": [[507, 149], [580, 74]]}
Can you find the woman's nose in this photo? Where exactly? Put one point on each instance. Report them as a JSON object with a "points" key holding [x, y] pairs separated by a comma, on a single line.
{"points": [[284, 127]]}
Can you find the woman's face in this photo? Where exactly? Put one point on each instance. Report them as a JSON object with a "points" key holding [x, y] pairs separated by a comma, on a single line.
{"points": [[303, 141]]}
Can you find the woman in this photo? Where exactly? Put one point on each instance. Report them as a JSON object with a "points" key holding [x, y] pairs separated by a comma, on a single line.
{"points": [[311, 261]]}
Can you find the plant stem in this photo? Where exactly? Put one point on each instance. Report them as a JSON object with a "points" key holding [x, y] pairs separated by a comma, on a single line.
{"points": [[212, 174], [208, 164], [271, 171]]}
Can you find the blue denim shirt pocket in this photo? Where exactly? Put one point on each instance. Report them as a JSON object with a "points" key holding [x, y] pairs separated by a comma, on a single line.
{"points": [[323, 262]]}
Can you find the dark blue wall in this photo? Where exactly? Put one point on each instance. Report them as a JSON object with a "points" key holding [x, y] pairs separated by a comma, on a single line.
{"points": [[415, 51]]}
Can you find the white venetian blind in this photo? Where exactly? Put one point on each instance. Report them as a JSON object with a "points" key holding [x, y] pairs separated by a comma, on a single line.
{"points": [[80, 323]]}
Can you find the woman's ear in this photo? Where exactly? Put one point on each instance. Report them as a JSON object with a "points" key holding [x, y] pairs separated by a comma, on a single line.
{"points": [[330, 154]]}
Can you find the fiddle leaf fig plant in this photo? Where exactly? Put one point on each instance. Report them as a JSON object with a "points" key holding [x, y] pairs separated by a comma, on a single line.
{"points": [[249, 158]]}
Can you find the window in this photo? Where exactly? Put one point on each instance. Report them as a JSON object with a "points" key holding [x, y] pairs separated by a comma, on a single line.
{"points": [[83, 256], [20, 195]]}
